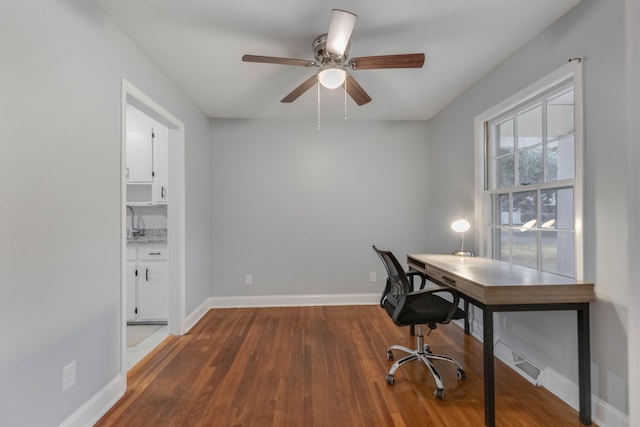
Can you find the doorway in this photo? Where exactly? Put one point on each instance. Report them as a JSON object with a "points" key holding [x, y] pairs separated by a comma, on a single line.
{"points": [[152, 264]]}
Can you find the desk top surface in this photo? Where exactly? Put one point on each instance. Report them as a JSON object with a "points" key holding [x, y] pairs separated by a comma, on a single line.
{"points": [[492, 281]]}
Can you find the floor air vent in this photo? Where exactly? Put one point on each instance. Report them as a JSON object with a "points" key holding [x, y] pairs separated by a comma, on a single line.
{"points": [[518, 362]]}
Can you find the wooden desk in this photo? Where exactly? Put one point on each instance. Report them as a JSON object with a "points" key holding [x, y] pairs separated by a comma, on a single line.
{"points": [[497, 286]]}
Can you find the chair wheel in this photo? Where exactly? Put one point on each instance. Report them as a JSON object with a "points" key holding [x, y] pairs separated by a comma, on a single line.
{"points": [[440, 393], [426, 349], [389, 355], [462, 375], [390, 379]]}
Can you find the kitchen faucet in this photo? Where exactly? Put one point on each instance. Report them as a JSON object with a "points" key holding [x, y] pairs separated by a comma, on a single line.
{"points": [[133, 231]]}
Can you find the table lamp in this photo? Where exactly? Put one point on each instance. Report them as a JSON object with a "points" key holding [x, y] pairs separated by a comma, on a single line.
{"points": [[460, 226]]}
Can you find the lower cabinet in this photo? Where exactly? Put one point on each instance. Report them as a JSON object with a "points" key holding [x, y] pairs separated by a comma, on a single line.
{"points": [[147, 284]]}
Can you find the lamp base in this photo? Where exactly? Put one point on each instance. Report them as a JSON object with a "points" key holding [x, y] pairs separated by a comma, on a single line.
{"points": [[462, 253]]}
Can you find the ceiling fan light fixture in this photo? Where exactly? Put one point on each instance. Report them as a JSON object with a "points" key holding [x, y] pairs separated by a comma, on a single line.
{"points": [[340, 29], [332, 77]]}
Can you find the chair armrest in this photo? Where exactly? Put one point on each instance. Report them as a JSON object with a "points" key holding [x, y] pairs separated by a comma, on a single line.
{"points": [[407, 299], [412, 274]]}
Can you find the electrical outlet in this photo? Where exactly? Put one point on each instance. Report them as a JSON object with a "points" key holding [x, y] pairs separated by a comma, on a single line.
{"points": [[69, 376], [373, 277], [248, 279]]}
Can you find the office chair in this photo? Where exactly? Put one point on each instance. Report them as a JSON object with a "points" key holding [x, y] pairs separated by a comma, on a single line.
{"points": [[407, 307]]}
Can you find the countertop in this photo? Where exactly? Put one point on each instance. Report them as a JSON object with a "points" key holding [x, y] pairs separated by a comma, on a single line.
{"points": [[149, 236]]}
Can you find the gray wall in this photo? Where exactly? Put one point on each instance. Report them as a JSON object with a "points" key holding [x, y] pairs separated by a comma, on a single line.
{"points": [[299, 208], [633, 134], [60, 79], [595, 29]]}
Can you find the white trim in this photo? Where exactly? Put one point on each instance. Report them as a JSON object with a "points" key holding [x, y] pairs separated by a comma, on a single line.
{"points": [[578, 85], [293, 300], [482, 205], [606, 415], [94, 408], [197, 314], [565, 389], [175, 212], [602, 413]]}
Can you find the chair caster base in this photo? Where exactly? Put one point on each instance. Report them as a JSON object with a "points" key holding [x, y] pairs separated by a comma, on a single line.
{"points": [[390, 379], [389, 355], [439, 393], [462, 375]]}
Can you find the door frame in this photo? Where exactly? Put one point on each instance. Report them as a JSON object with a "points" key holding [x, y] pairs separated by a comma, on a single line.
{"points": [[175, 212]]}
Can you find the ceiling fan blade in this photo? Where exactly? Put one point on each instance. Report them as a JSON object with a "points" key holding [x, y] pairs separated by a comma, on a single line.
{"points": [[355, 91], [409, 60], [340, 29], [276, 60], [305, 86]]}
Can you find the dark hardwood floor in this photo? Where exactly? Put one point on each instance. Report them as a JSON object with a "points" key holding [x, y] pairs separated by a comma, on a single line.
{"points": [[318, 366]]}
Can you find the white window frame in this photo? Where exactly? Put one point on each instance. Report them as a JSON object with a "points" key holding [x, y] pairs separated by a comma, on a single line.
{"points": [[482, 214]]}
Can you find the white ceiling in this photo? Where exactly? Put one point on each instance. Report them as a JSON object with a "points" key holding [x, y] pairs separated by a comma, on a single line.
{"points": [[200, 43]]}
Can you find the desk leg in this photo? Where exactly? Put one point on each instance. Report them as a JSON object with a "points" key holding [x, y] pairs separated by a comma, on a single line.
{"points": [[584, 365], [489, 378], [467, 329]]}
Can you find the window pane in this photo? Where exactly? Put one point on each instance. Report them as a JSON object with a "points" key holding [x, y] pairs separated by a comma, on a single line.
{"points": [[564, 210], [504, 209], [561, 159], [524, 208], [501, 244], [525, 248], [560, 116], [530, 127], [556, 208], [500, 210], [548, 209], [505, 138], [558, 253], [530, 166], [506, 171]]}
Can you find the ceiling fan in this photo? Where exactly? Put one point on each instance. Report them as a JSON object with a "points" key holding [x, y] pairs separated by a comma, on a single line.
{"points": [[331, 53]]}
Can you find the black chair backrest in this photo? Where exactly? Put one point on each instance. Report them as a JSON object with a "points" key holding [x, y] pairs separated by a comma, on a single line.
{"points": [[397, 282]]}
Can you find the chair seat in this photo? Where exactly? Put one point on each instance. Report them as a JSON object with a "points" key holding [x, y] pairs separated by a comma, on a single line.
{"points": [[431, 307]]}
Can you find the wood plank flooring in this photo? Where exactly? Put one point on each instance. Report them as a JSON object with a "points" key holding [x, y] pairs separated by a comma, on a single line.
{"points": [[318, 366]]}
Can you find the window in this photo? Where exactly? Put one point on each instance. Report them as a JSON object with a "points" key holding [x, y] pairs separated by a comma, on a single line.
{"points": [[529, 194]]}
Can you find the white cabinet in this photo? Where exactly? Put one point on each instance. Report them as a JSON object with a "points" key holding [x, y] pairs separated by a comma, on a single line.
{"points": [[148, 285], [153, 289], [139, 156], [132, 292], [147, 158], [160, 165]]}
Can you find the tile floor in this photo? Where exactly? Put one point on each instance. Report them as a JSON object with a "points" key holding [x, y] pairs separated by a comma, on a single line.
{"points": [[136, 353]]}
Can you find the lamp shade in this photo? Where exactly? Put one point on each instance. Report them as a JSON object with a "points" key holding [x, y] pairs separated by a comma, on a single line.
{"points": [[340, 29], [460, 225], [332, 78]]}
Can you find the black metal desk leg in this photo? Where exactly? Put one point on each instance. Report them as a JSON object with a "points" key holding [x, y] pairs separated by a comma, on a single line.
{"points": [[584, 364], [467, 329], [489, 378]]}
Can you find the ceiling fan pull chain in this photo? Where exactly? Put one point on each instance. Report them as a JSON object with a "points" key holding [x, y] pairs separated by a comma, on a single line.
{"points": [[318, 106], [345, 99]]}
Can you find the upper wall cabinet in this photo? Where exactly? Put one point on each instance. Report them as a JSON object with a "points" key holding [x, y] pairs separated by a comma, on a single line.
{"points": [[160, 165], [147, 159], [139, 156]]}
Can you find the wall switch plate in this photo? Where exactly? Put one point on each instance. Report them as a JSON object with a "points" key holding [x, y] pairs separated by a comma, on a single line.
{"points": [[248, 279], [69, 376], [373, 277]]}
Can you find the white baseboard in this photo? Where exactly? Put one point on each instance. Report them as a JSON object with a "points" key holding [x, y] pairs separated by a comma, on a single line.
{"points": [[565, 389], [196, 315], [603, 414], [606, 415], [89, 413], [293, 300]]}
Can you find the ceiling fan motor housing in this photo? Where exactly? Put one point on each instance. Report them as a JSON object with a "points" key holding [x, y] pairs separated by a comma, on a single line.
{"points": [[322, 55]]}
